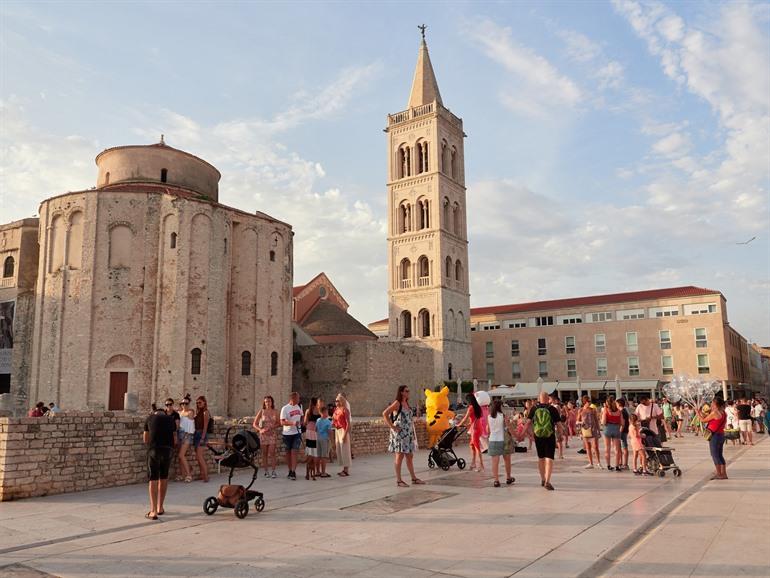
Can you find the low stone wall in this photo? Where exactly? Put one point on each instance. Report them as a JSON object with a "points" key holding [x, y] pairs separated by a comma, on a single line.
{"points": [[81, 451]]}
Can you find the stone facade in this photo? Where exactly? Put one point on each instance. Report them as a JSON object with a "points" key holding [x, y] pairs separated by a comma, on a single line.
{"points": [[148, 285], [428, 283], [367, 372], [18, 275], [81, 451]]}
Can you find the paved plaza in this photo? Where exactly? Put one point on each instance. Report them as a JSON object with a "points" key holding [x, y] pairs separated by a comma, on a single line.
{"points": [[595, 523]]}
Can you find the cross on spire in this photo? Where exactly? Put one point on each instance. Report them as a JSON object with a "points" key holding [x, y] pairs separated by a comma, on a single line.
{"points": [[422, 28]]}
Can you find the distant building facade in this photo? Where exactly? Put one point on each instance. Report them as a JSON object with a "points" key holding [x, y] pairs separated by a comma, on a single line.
{"points": [[641, 335], [147, 284], [18, 275], [428, 292]]}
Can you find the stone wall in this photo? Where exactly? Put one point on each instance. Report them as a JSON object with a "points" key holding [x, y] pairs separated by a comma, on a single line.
{"points": [[367, 372], [82, 450]]}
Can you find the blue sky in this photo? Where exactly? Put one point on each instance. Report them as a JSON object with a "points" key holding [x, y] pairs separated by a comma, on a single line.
{"points": [[611, 146]]}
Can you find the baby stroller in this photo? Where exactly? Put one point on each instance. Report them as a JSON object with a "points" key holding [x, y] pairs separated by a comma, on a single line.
{"points": [[442, 454], [241, 452], [659, 459]]}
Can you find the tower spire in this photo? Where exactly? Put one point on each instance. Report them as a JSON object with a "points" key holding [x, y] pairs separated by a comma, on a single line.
{"points": [[424, 85]]}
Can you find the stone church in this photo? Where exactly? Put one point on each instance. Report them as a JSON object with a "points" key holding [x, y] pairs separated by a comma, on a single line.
{"points": [[146, 284]]}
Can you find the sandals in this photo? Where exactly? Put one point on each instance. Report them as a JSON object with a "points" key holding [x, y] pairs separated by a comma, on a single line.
{"points": [[496, 484], [161, 512], [509, 481], [343, 474], [188, 479], [418, 482], [402, 484], [151, 516]]}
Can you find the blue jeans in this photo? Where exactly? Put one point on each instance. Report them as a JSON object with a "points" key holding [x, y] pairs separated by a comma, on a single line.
{"points": [[716, 443]]}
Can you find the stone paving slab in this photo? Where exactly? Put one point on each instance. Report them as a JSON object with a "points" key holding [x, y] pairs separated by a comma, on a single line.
{"points": [[323, 527]]}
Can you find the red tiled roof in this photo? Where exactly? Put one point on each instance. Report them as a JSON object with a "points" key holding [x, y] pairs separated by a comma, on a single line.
{"points": [[612, 298], [297, 290]]}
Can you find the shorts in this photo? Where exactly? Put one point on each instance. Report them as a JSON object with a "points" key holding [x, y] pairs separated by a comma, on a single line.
{"points": [[612, 431], [199, 439], [744, 425], [496, 448], [185, 438], [292, 441], [323, 449], [158, 462], [624, 440], [311, 448], [546, 447]]}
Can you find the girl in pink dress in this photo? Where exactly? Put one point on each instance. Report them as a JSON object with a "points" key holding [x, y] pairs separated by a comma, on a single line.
{"points": [[475, 416], [637, 445]]}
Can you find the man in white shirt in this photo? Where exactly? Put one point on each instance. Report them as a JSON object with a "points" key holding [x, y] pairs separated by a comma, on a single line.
{"points": [[291, 418], [756, 415], [649, 411]]}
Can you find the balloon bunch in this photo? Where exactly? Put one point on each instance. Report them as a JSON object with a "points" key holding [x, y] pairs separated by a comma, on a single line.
{"points": [[691, 390]]}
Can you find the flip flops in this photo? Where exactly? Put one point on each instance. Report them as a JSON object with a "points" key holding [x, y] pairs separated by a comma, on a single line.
{"points": [[151, 516]]}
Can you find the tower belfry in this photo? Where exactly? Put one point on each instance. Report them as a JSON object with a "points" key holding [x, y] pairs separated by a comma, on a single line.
{"points": [[428, 298]]}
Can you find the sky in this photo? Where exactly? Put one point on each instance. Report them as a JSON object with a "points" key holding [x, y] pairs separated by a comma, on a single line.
{"points": [[612, 146]]}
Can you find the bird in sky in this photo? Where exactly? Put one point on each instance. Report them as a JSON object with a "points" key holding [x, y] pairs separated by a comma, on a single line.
{"points": [[746, 242]]}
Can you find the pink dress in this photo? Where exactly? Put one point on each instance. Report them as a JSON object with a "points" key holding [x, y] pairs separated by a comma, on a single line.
{"points": [[476, 429], [635, 437]]}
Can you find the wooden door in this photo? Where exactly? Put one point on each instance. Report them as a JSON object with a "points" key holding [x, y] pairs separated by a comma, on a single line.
{"points": [[118, 389]]}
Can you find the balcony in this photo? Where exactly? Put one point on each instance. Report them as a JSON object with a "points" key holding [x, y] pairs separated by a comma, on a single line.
{"points": [[406, 283], [422, 110], [423, 281], [8, 282]]}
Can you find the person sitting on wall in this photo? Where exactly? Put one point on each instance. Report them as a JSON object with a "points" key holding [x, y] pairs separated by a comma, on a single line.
{"points": [[37, 411], [53, 409]]}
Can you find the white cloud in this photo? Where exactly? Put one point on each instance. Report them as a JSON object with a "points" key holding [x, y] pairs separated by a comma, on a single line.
{"points": [[610, 75], [674, 145], [579, 47], [537, 84]]}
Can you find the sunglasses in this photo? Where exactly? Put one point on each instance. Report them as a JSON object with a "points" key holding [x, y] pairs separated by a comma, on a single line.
{"points": [[169, 404], [184, 403]]}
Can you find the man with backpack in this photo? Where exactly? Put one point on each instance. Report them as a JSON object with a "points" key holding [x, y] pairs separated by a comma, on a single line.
{"points": [[543, 418]]}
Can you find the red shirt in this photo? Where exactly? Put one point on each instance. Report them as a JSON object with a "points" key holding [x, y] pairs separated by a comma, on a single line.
{"points": [[35, 412], [340, 420]]}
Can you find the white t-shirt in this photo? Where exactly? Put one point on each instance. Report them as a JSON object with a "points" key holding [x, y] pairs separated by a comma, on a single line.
{"points": [[293, 413], [644, 412], [732, 416], [496, 428]]}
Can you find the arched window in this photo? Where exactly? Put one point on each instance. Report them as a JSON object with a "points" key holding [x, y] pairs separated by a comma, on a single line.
{"points": [[195, 361], [423, 321], [422, 157], [449, 267], [459, 272], [8, 267], [461, 327], [404, 161], [107, 178], [405, 274], [423, 218], [56, 244], [246, 363], [453, 163], [121, 238], [444, 157], [457, 219], [173, 240], [163, 175], [423, 271], [272, 255], [449, 325], [406, 324], [75, 241], [449, 371], [274, 363], [447, 222], [404, 217]]}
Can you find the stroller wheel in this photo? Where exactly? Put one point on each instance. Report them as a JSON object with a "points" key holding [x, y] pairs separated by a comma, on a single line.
{"points": [[241, 509], [445, 466], [661, 473], [461, 463], [431, 463], [210, 505], [259, 504], [677, 472]]}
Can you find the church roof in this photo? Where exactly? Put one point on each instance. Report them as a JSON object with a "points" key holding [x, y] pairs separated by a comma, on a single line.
{"points": [[328, 319], [424, 85]]}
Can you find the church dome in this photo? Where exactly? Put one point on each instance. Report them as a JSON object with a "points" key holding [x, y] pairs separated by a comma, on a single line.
{"points": [[157, 163]]}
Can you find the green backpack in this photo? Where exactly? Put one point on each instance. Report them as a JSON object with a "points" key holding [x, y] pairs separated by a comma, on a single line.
{"points": [[542, 425]]}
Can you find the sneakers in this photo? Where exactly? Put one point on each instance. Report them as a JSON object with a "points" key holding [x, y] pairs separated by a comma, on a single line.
{"points": [[273, 475], [267, 474], [588, 467], [292, 476]]}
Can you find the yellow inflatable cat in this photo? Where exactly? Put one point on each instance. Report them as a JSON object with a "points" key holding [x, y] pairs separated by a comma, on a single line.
{"points": [[437, 413]]}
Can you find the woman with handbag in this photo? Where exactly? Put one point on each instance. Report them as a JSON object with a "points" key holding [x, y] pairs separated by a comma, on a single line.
{"points": [[500, 441], [714, 432], [589, 430]]}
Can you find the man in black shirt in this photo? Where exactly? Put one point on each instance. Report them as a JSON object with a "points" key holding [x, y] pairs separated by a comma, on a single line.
{"points": [[744, 421], [160, 437], [544, 430]]}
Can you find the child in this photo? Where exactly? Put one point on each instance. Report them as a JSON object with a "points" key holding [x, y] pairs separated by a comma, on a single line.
{"points": [[323, 426], [635, 437]]}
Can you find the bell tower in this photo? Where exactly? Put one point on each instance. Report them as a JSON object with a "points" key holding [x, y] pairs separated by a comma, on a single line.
{"points": [[428, 298]]}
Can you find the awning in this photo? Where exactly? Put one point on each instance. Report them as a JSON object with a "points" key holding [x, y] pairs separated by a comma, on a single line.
{"points": [[530, 390]]}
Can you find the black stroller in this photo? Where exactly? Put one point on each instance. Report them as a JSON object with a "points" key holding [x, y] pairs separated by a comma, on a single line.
{"points": [[241, 452], [442, 454], [659, 459]]}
